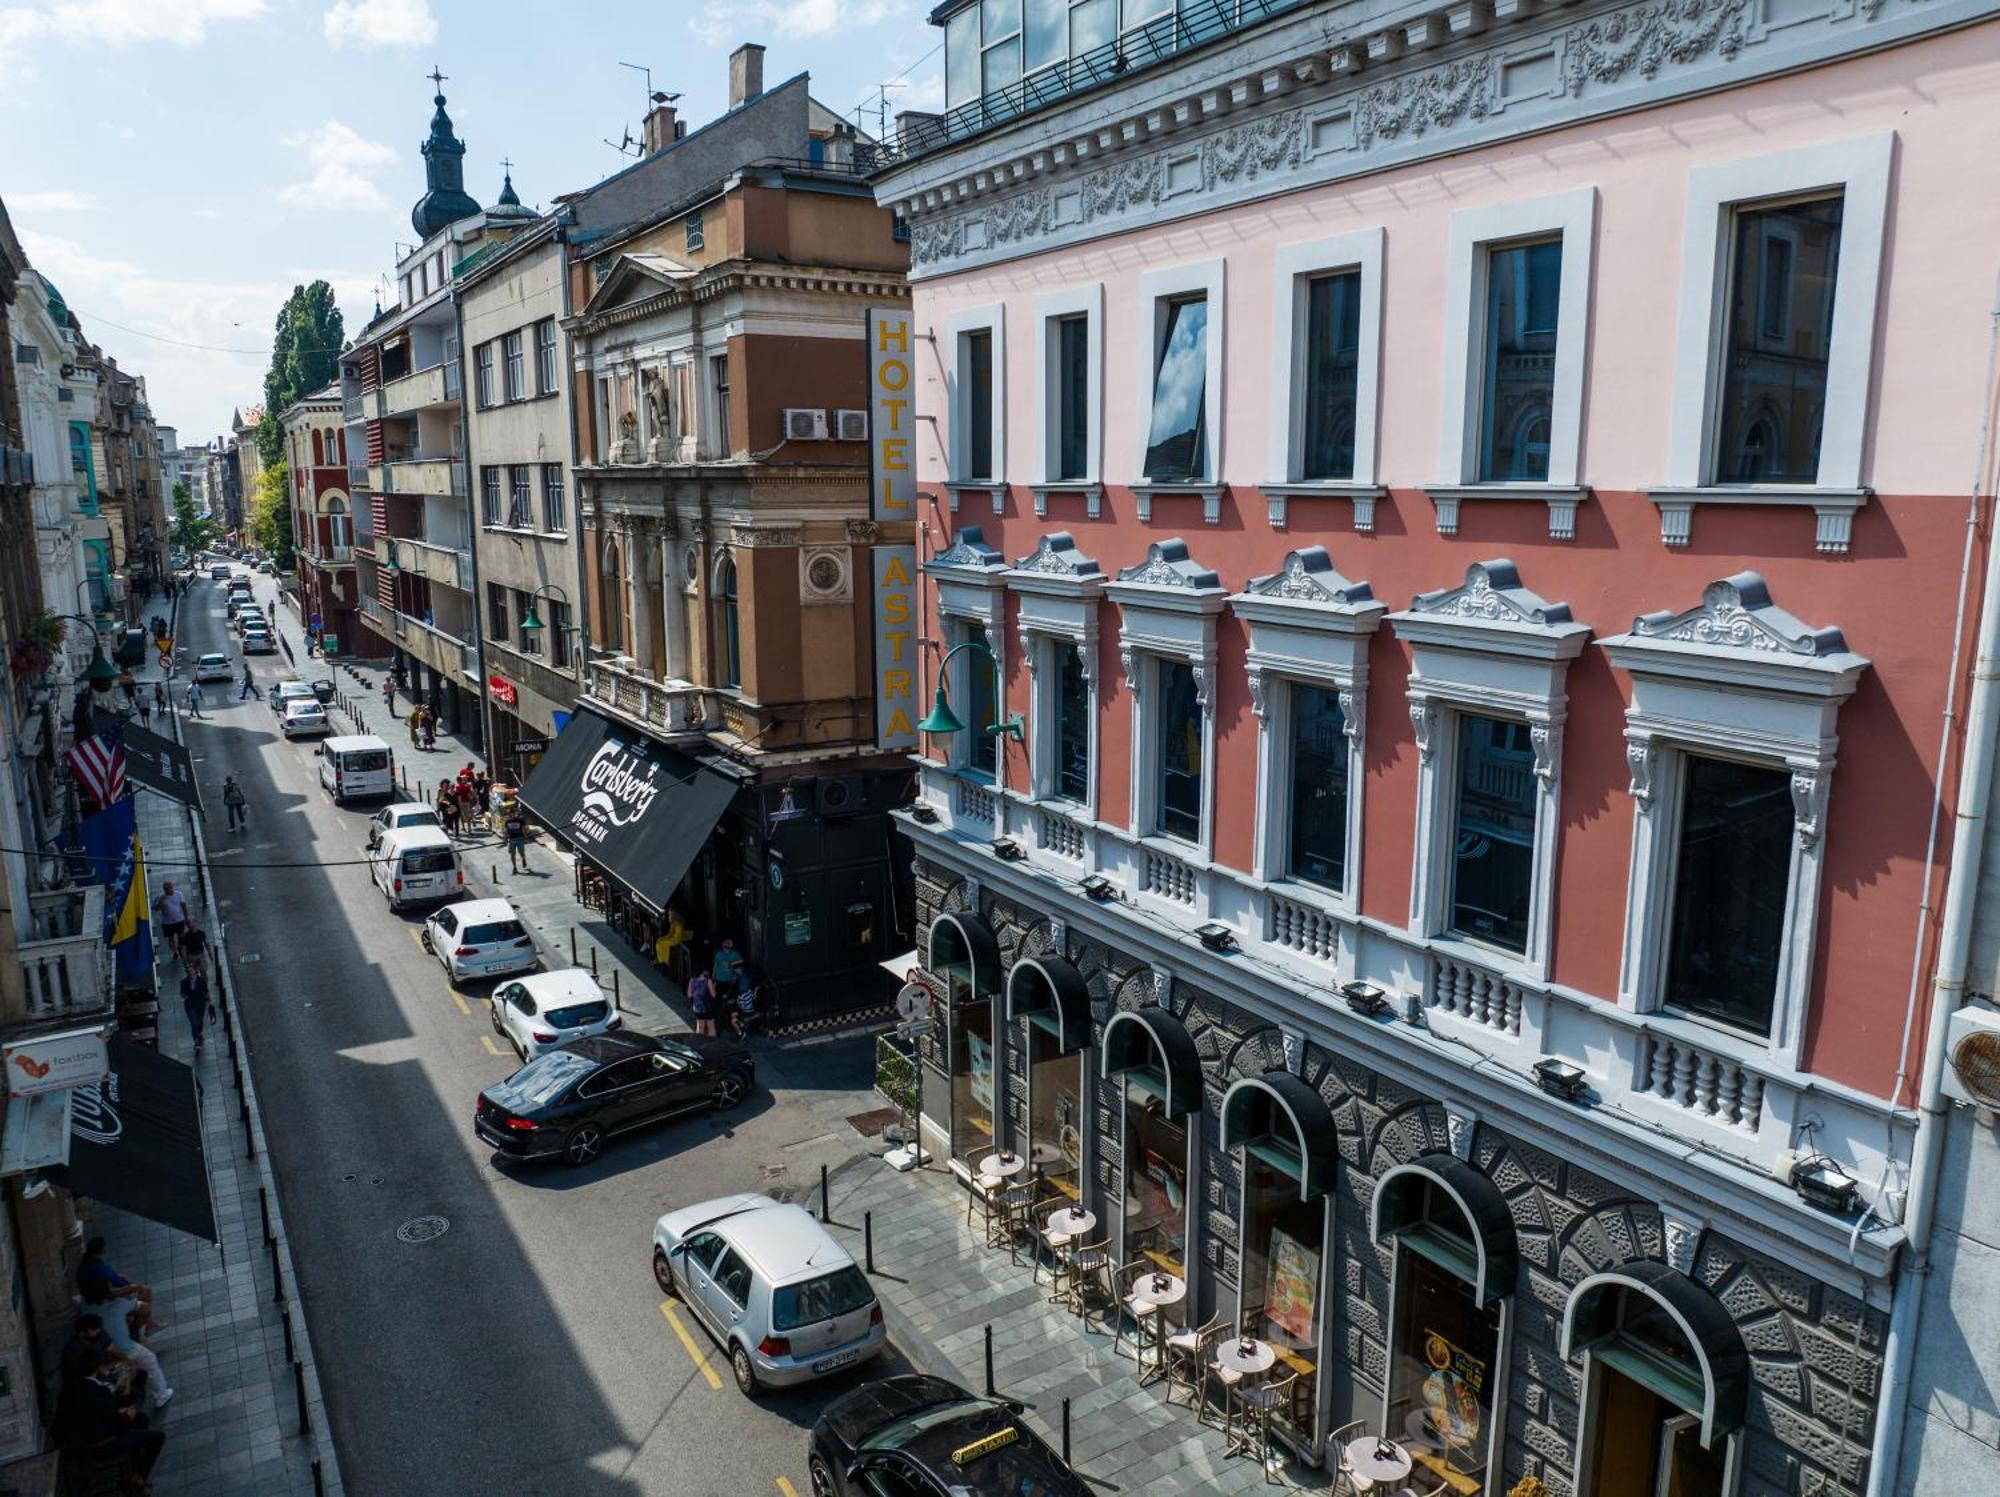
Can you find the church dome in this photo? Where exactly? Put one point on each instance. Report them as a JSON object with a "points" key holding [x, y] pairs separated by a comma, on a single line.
{"points": [[447, 201]]}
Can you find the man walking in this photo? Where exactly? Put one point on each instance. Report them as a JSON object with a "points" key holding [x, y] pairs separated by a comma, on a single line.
{"points": [[160, 698], [389, 700], [145, 709], [195, 1004], [194, 700], [236, 801], [249, 685], [516, 828], [171, 908]]}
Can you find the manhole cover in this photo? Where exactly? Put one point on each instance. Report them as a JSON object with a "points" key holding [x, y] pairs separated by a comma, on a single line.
{"points": [[422, 1229], [868, 1124], [770, 1171]]}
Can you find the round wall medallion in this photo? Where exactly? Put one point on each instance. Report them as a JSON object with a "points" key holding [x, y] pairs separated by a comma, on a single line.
{"points": [[823, 571]]}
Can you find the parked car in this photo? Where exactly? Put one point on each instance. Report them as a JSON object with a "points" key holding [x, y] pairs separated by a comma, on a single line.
{"points": [[324, 690], [285, 692], [359, 766], [417, 865], [783, 1299], [536, 1014], [268, 567], [214, 667], [567, 1103], [394, 817], [305, 719], [928, 1437], [479, 938], [219, 572], [258, 641]]}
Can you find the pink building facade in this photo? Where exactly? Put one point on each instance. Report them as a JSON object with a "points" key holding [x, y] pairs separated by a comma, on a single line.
{"points": [[1471, 522]]}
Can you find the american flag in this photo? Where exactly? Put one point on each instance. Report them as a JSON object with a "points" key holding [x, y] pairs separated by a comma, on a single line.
{"points": [[99, 767]]}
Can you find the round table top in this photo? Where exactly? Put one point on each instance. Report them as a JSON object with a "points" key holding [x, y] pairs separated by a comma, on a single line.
{"points": [[1002, 1165], [1044, 1153], [1163, 1289], [1073, 1220], [1231, 1355], [1364, 1459]]}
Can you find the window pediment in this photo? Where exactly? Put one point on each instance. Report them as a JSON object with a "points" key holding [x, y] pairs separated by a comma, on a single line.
{"points": [[1167, 605], [968, 559], [1058, 588], [1738, 638], [1309, 622], [1057, 563], [1490, 641], [1167, 570]]}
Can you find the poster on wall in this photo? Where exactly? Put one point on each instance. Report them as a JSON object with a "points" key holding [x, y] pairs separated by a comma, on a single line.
{"points": [[1451, 1391], [1289, 1289], [895, 611], [892, 417], [979, 1065]]}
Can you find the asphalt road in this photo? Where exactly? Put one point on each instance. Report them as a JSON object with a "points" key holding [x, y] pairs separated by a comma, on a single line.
{"points": [[526, 1350]]}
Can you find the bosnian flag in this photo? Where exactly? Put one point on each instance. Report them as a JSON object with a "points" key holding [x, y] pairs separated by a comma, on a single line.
{"points": [[99, 767]]}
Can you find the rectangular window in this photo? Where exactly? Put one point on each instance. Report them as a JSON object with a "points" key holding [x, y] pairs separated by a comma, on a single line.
{"points": [[520, 498], [1284, 1248], [562, 646], [482, 375], [971, 1061], [1156, 1189], [545, 355], [718, 376], [683, 402], [982, 749], [1072, 355], [1493, 832], [1332, 374], [497, 614], [1072, 736], [1318, 852], [1177, 441], [489, 495], [1777, 341], [517, 373], [1731, 872], [975, 375], [555, 515], [1518, 374], [524, 607], [1000, 44], [1179, 725], [961, 58]]}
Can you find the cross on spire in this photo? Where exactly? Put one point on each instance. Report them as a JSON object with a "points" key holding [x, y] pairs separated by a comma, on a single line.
{"points": [[506, 166], [437, 78]]}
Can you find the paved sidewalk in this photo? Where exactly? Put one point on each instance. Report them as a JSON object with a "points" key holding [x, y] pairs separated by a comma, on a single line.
{"points": [[941, 1286]]}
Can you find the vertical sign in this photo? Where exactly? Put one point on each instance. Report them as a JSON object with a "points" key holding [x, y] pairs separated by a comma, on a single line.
{"points": [[892, 416], [895, 646]]}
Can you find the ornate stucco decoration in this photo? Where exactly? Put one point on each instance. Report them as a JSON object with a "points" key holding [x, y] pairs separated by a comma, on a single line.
{"points": [[1737, 613], [1309, 576], [1492, 591], [968, 552], [1056, 555]]}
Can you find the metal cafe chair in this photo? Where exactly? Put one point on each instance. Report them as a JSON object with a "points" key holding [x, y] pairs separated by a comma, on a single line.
{"points": [[1188, 1353], [1059, 1245], [1089, 1263], [980, 1191], [1260, 1403], [1016, 1217], [1344, 1477], [1136, 1311]]}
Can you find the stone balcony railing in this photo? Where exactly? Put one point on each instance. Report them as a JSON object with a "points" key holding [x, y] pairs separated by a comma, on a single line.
{"points": [[615, 683], [65, 962], [412, 392]]}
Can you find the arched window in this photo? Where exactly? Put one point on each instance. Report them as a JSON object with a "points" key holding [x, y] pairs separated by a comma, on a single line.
{"points": [[963, 955], [1048, 996], [729, 627], [319, 449], [339, 531], [611, 578]]}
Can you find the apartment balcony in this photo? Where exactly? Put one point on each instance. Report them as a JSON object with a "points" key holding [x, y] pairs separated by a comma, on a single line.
{"points": [[435, 477], [65, 962], [616, 684], [450, 566], [427, 389]]}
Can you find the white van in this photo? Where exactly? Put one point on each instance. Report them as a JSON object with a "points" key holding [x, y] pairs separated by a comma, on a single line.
{"points": [[356, 767], [416, 865]]}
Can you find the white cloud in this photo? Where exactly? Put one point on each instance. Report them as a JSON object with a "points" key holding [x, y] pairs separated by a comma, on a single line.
{"points": [[55, 200], [120, 22], [743, 20], [343, 165], [380, 23]]}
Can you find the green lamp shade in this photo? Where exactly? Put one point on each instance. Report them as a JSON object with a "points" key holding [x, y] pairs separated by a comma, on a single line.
{"points": [[941, 721], [530, 624], [100, 673]]}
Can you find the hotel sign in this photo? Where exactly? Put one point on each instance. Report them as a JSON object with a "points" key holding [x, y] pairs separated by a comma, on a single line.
{"points": [[892, 416], [895, 608]]}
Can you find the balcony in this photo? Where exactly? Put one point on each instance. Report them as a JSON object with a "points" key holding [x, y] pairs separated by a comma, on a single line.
{"points": [[65, 962], [422, 391], [435, 477], [616, 684], [449, 566]]}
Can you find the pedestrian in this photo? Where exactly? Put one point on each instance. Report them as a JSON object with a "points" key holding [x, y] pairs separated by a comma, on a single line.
{"points": [[389, 701], [699, 992], [237, 802], [194, 699], [195, 1004], [172, 912], [447, 809], [516, 828], [249, 685], [430, 729], [416, 724], [194, 947], [743, 1013], [145, 709], [726, 970], [482, 789], [160, 698]]}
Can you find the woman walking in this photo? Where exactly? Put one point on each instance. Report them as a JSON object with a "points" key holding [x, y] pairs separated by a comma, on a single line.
{"points": [[701, 1002]]}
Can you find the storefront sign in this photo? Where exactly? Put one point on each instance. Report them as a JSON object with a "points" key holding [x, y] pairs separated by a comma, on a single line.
{"points": [[895, 606], [503, 690], [892, 417], [1291, 1287], [54, 1062], [799, 928], [526, 746]]}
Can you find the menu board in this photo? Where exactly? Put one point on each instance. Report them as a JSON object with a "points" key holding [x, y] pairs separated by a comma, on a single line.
{"points": [[1291, 1285]]}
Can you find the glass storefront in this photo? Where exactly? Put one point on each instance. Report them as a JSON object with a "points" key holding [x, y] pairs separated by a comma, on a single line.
{"points": [[1156, 1181], [1443, 1363], [972, 1071], [1284, 1247], [1055, 1108]]}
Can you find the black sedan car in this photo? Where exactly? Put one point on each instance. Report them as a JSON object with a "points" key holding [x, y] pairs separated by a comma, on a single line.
{"points": [[565, 1104], [930, 1438]]}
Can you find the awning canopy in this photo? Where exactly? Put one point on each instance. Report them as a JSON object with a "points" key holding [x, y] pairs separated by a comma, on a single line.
{"points": [[961, 937], [1152, 1048], [1473, 1235], [636, 808], [135, 1141], [1690, 1352], [1050, 992], [1280, 1120]]}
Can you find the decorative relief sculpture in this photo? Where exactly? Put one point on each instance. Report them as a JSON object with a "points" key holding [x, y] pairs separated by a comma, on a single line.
{"points": [[1645, 38], [1737, 613]]}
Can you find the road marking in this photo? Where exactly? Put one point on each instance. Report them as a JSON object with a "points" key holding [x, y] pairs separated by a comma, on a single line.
{"points": [[667, 1309], [786, 1489], [492, 1048], [462, 1005]]}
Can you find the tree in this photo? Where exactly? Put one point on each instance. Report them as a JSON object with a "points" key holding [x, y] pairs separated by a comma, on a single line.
{"points": [[271, 514], [191, 531], [305, 354]]}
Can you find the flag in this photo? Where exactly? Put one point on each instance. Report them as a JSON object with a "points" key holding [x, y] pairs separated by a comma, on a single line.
{"points": [[99, 766], [104, 841], [132, 931]]}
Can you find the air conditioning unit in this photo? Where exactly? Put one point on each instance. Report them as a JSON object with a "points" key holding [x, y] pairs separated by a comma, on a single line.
{"points": [[826, 574], [850, 426], [839, 795], [805, 425], [1972, 1058]]}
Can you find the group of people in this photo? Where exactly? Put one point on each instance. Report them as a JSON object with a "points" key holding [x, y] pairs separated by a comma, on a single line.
{"points": [[727, 989], [423, 723], [473, 801], [112, 1382], [189, 943]]}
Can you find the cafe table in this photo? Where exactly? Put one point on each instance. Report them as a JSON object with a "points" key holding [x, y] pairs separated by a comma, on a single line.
{"points": [[1005, 1164], [1377, 1460], [1162, 1291]]}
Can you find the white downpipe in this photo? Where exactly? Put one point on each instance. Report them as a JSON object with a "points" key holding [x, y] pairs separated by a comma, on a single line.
{"points": [[1982, 725]]}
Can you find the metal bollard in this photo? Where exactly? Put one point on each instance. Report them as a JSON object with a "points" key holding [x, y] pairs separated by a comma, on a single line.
{"points": [[868, 1239], [572, 945], [277, 1274], [264, 1209], [593, 963], [291, 1351], [825, 1206], [299, 1380], [1065, 1431], [319, 1480], [990, 1391], [617, 999]]}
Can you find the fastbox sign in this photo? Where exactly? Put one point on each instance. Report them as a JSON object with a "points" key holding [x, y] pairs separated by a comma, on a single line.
{"points": [[54, 1062], [618, 787]]}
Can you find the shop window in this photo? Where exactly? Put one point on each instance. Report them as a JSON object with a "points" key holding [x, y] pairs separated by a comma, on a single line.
{"points": [[1444, 1352], [1284, 1247], [972, 1041], [1156, 1179], [1649, 1389], [1055, 1109]]}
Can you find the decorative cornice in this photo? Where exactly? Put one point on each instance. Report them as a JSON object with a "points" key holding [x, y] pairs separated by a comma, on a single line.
{"points": [[1168, 564], [969, 552], [1492, 590], [1308, 576], [1056, 555], [1737, 613]]}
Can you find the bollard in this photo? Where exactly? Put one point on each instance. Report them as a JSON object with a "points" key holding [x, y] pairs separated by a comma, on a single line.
{"points": [[496, 879], [990, 1392], [617, 999], [868, 1239], [593, 963], [277, 1274], [299, 1380], [572, 945], [825, 1206], [264, 1208], [319, 1480], [1065, 1431], [290, 1350]]}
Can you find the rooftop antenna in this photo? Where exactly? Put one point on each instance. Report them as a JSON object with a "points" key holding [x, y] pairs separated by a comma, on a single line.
{"points": [[882, 106], [628, 146]]}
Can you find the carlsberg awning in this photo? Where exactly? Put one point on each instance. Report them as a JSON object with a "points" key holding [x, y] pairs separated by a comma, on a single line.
{"points": [[136, 1140], [636, 808]]}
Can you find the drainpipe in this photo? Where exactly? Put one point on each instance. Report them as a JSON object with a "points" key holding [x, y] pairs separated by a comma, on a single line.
{"points": [[1954, 959]]}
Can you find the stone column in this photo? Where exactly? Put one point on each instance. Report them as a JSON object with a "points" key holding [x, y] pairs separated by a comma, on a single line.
{"points": [[641, 572]]}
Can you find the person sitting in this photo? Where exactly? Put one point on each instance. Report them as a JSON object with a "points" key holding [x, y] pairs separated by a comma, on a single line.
{"points": [[125, 1343], [107, 1425], [670, 941], [101, 1285]]}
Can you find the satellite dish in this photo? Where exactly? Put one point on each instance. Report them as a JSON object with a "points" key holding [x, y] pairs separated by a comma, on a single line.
{"points": [[913, 1003]]}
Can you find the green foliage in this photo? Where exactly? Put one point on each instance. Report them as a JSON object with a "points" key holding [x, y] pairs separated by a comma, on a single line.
{"points": [[271, 514], [896, 1075], [305, 354], [190, 531]]}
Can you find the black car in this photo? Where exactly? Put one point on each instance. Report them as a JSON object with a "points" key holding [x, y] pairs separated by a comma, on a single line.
{"points": [[925, 1437], [565, 1104]]}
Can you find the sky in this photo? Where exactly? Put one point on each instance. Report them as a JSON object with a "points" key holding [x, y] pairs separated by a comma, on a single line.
{"points": [[177, 166]]}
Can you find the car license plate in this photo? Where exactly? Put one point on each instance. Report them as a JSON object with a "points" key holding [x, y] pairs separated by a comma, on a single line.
{"points": [[838, 1359]]}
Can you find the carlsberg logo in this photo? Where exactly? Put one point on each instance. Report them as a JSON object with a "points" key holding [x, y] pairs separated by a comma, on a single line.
{"points": [[619, 793]]}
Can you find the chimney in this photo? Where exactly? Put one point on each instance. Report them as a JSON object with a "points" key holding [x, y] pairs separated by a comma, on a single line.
{"points": [[660, 129], [746, 74]]}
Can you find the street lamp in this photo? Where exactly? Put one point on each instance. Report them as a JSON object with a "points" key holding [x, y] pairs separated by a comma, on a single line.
{"points": [[530, 624], [100, 673], [942, 722]]}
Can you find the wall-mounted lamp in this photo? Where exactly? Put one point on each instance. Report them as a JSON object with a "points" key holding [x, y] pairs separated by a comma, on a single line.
{"points": [[1007, 850], [1099, 888]]}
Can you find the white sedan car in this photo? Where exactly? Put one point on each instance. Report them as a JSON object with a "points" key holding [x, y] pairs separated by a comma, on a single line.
{"points": [[214, 668], [258, 642], [537, 1013], [405, 813], [305, 719], [479, 938]]}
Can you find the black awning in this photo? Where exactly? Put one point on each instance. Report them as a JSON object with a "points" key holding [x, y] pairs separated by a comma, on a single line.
{"points": [[1151, 1046], [135, 1141], [1403, 1205], [160, 764], [636, 808], [1601, 1307], [1277, 1118], [980, 945], [1049, 991]]}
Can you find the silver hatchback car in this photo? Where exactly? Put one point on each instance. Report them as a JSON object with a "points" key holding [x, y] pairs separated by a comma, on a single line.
{"points": [[784, 1299]]}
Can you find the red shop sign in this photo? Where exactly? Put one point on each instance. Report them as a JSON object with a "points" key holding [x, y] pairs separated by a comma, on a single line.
{"points": [[503, 690]]}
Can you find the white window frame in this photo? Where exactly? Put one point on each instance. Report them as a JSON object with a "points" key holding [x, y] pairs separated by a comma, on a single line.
{"points": [[1859, 167], [972, 600], [482, 375], [513, 363], [1157, 288], [1309, 626], [1734, 678], [1051, 309], [1294, 267], [1491, 648], [1474, 233], [991, 320], [1056, 591], [548, 364]]}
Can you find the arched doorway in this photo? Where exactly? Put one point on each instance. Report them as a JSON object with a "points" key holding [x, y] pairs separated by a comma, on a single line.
{"points": [[963, 955], [1046, 995]]}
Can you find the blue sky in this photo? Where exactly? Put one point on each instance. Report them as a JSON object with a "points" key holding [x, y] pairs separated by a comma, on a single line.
{"points": [[176, 166]]}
